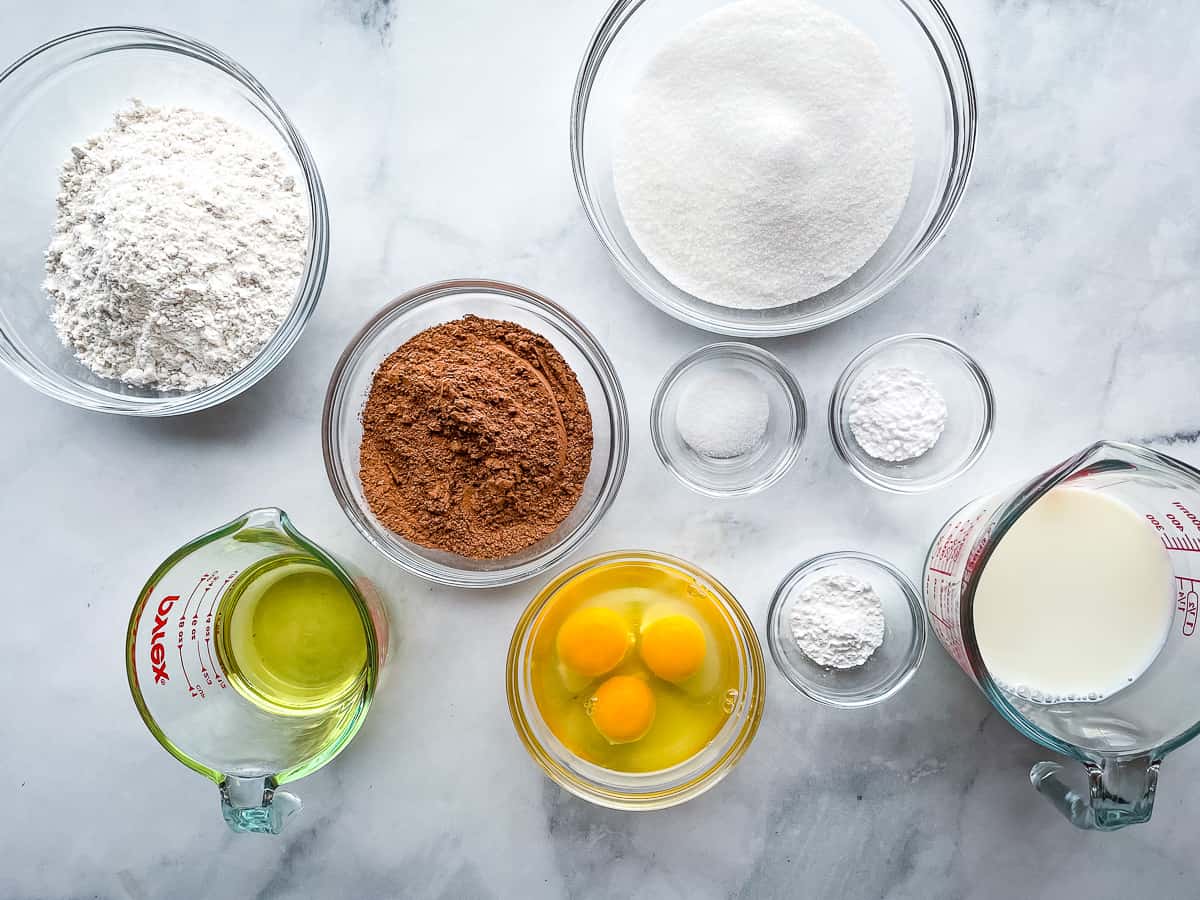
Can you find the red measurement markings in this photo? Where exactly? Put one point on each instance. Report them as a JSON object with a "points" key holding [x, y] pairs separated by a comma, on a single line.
{"points": [[195, 688], [210, 623], [1180, 531], [1188, 604], [951, 542], [949, 628], [941, 572], [1187, 514], [179, 634], [1184, 543]]}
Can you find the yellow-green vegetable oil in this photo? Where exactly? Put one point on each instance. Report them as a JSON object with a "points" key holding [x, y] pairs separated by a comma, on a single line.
{"points": [[291, 637]]}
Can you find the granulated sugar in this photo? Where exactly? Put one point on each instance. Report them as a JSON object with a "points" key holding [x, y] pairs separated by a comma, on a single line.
{"points": [[766, 154]]}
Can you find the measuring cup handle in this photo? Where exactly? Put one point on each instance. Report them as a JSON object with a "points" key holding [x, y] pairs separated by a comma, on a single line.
{"points": [[255, 806], [1120, 792]]}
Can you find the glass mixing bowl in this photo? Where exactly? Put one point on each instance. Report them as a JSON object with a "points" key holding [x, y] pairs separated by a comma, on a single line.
{"points": [[431, 305], [58, 95], [920, 42], [644, 790]]}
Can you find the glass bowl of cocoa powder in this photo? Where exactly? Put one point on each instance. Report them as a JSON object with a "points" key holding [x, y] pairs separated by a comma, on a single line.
{"points": [[475, 433]]}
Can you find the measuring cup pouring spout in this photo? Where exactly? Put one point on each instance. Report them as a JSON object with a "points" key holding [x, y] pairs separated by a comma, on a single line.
{"points": [[1120, 734], [253, 657]]}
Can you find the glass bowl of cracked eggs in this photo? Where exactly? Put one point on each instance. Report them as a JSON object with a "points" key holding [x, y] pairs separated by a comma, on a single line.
{"points": [[698, 728], [691, 118], [54, 102]]}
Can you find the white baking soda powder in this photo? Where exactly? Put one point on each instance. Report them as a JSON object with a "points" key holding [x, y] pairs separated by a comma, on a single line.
{"points": [[896, 414], [765, 155], [838, 621]]}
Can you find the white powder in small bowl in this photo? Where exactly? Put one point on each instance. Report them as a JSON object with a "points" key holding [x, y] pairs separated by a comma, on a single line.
{"points": [[896, 414], [723, 415], [838, 621]]}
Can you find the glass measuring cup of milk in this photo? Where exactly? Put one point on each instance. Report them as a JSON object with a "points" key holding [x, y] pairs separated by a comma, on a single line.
{"points": [[1071, 602], [253, 657]]}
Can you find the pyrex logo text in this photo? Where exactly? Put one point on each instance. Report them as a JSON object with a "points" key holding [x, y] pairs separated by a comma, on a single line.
{"points": [[158, 656]]}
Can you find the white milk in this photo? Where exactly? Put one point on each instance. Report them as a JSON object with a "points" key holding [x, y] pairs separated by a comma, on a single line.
{"points": [[1076, 601]]}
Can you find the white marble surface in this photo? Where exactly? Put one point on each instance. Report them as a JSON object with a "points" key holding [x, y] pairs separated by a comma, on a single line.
{"points": [[440, 129]]}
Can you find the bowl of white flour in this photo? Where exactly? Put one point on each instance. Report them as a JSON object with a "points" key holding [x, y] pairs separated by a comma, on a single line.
{"points": [[766, 167], [166, 233]]}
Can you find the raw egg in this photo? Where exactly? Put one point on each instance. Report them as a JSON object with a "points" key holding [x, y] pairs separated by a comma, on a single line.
{"points": [[679, 647], [593, 641], [633, 664], [622, 709], [673, 647]]}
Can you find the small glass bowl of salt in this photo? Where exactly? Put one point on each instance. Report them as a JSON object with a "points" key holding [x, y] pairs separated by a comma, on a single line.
{"points": [[823, 644], [911, 413], [728, 420]]}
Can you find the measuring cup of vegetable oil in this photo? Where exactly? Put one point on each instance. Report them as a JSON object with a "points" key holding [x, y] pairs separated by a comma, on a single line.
{"points": [[253, 657], [1072, 602]]}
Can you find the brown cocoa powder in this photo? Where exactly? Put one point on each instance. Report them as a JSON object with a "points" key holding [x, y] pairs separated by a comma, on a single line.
{"points": [[477, 439]]}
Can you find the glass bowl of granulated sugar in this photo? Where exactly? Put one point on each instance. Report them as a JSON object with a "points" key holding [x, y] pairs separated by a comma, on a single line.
{"points": [[165, 234], [766, 167]]}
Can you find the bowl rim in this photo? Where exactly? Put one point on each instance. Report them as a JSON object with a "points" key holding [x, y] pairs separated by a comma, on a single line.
{"points": [[855, 366], [308, 289], [964, 120], [722, 350], [614, 798], [916, 608], [337, 398]]}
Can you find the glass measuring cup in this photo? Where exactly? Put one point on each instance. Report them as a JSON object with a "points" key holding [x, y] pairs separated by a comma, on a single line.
{"points": [[1122, 739], [246, 720]]}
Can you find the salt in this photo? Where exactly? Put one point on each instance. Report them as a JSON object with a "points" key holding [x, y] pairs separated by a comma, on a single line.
{"points": [[723, 415]]}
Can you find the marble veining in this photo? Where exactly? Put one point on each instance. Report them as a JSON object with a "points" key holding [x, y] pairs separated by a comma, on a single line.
{"points": [[440, 128]]}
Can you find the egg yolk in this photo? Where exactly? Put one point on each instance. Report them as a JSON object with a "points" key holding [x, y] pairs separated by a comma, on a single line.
{"points": [[593, 641], [673, 647], [622, 709]]}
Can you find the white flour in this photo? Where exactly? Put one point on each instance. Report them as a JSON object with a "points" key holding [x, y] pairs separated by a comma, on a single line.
{"points": [[838, 621], [765, 155], [179, 244], [896, 414]]}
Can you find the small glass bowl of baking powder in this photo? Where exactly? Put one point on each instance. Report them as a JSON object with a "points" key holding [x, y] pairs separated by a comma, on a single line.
{"points": [[770, 448], [888, 669], [968, 410], [69, 88]]}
